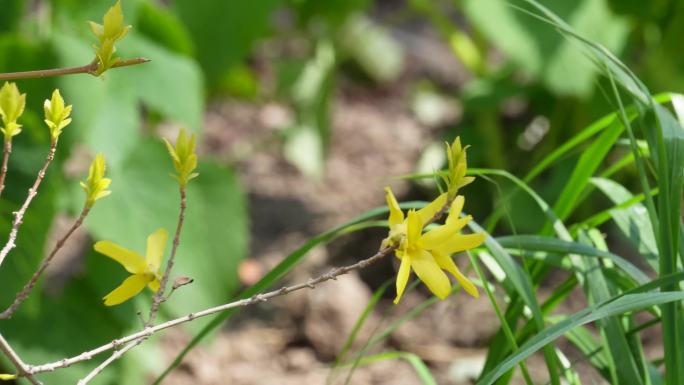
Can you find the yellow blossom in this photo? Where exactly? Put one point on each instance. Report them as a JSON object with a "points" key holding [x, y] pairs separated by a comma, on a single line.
{"points": [[108, 33], [144, 271], [56, 114], [8, 377], [184, 157], [96, 185], [429, 253], [12, 104], [458, 165]]}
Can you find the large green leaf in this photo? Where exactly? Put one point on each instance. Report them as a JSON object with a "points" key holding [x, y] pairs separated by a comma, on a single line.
{"points": [[224, 31]]}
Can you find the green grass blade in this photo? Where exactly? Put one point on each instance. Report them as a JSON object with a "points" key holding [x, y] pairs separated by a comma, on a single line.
{"points": [[419, 366], [524, 288], [612, 307], [555, 245]]}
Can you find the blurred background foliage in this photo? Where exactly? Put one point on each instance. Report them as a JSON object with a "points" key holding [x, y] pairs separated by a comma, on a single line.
{"points": [[516, 79]]}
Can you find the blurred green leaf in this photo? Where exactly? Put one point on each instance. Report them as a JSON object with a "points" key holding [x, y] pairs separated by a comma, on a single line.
{"points": [[164, 28], [224, 32], [633, 221], [557, 62], [10, 17]]}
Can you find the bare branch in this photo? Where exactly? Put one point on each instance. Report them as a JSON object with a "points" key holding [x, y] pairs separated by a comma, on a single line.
{"points": [[116, 355], [7, 151], [22, 368], [24, 293], [159, 295], [32, 192], [90, 68], [258, 298]]}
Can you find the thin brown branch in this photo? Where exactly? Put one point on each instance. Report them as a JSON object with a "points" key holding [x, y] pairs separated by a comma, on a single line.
{"points": [[258, 298], [7, 151], [24, 293], [159, 295], [32, 192], [90, 68], [22, 368]]}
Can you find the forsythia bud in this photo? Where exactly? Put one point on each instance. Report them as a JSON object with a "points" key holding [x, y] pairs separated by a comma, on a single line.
{"points": [[12, 104], [96, 185], [8, 377], [56, 114], [456, 175], [184, 157], [108, 33]]}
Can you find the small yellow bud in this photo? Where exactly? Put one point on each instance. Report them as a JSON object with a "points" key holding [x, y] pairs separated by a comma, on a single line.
{"points": [[56, 114], [108, 33], [96, 185], [458, 166], [184, 157], [12, 104], [8, 377]]}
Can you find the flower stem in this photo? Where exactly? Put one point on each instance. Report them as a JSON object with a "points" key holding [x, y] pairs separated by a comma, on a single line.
{"points": [[90, 68]]}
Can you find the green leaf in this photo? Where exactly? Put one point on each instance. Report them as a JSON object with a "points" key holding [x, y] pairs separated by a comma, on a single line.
{"points": [[224, 32], [554, 245], [633, 221], [557, 62], [164, 28]]}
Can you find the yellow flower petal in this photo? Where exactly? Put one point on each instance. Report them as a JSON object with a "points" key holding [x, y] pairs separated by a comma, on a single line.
{"points": [[133, 262], [129, 288], [402, 277], [429, 272], [434, 238], [455, 209], [429, 211], [154, 284], [460, 243], [396, 216], [414, 227], [446, 263], [156, 243]]}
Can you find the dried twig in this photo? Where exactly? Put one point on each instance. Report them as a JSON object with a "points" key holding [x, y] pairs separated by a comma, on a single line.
{"points": [[7, 151], [90, 68], [116, 355], [24, 293], [22, 368], [258, 298], [19, 215], [159, 295]]}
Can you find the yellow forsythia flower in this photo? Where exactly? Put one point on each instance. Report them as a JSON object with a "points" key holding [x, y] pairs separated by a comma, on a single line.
{"points": [[144, 271], [458, 165], [96, 185], [8, 377], [184, 157], [56, 114], [108, 33], [12, 104], [427, 254]]}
